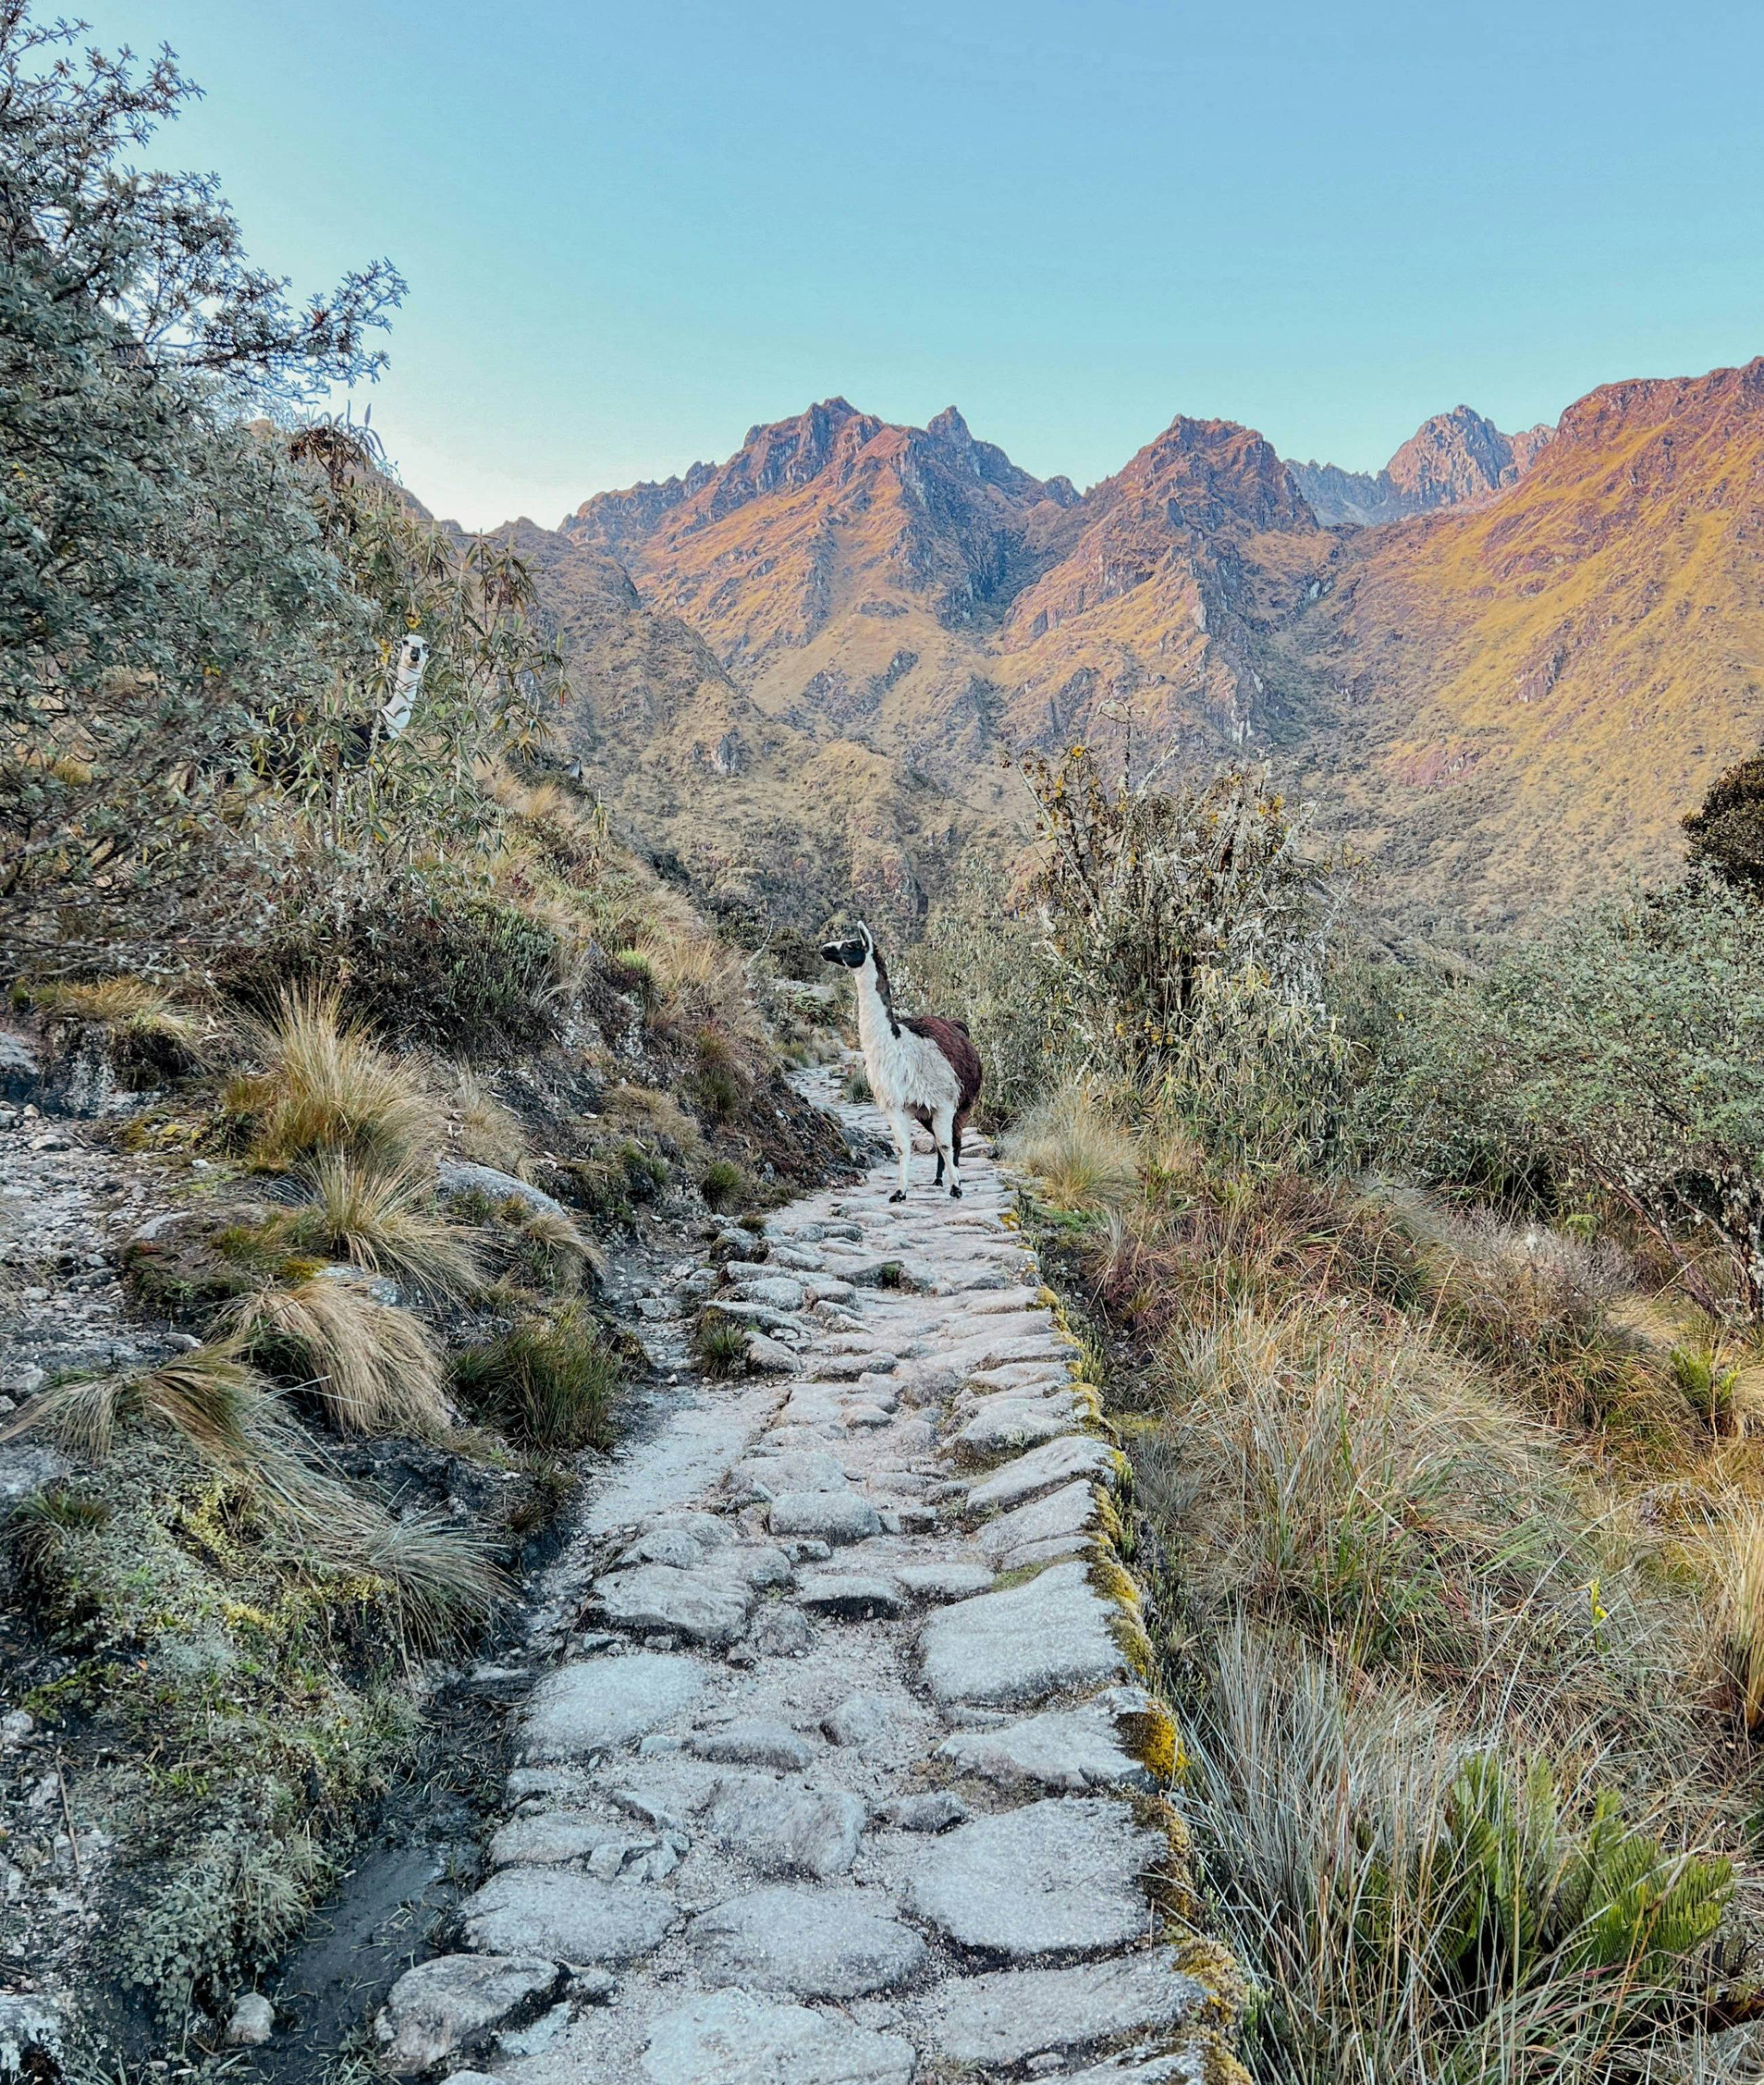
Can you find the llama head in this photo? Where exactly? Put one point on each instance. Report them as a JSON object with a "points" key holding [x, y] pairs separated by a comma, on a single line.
{"points": [[854, 950]]}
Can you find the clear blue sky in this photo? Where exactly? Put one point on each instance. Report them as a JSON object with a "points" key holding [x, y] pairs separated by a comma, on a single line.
{"points": [[631, 230]]}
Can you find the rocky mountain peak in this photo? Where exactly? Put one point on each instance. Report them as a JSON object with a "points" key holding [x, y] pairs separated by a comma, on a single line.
{"points": [[1450, 458]]}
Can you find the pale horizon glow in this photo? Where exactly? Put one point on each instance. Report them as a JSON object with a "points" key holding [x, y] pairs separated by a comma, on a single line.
{"points": [[629, 235]]}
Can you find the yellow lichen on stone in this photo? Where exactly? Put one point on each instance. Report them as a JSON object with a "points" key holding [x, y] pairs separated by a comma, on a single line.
{"points": [[1152, 1737]]}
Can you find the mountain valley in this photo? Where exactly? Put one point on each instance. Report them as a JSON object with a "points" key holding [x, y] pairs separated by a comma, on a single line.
{"points": [[1504, 666]]}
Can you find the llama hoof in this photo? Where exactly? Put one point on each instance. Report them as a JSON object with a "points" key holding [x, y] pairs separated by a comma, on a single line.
{"points": [[899, 1195], [955, 1194]]}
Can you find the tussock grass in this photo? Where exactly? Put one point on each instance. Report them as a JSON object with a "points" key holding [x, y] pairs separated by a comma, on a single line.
{"points": [[136, 1016], [724, 1183], [383, 1218], [485, 1131], [553, 1382], [721, 1344], [439, 1578], [552, 1250], [376, 1369], [1435, 1906], [214, 1402], [1335, 1474], [1081, 1157], [328, 1086]]}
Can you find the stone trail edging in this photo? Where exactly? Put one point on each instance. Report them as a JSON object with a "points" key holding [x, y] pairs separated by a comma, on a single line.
{"points": [[850, 1776]]}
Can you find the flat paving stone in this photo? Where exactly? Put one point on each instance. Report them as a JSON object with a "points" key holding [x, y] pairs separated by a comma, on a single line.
{"points": [[785, 1829], [1011, 1649], [731, 2037], [451, 2000], [569, 1917], [850, 1596], [752, 1744], [1006, 1422], [1056, 1877], [945, 1582], [701, 1606], [859, 1721], [1070, 1748], [824, 1516], [1069, 1512], [1042, 1470], [553, 1836], [795, 1470], [604, 1702], [1182, 2066], [1014, 2014], [818, 1944]]}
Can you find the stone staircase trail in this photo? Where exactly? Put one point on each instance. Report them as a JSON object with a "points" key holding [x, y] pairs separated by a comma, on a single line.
{"points": [[845, 1777]]}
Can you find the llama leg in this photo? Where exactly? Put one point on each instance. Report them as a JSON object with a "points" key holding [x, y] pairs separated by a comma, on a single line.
{"points": [[955, 1159], [941, 1124], [902, 1130]]}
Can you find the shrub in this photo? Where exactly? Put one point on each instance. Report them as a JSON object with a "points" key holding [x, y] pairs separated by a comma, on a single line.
{"points": [[855, 1085], [383, 1219], [983, 957], [375, 1368], [550, 1381], [327, 1087], [428, 958], [723, 1183], [1627, 1051], [1144, 894]]}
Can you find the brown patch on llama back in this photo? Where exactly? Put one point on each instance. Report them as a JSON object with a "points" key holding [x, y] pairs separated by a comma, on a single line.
{"points": [[952, 1038]]}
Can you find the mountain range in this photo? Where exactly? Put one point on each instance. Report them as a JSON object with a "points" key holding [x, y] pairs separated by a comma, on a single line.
{"points": [[1503, 665]]}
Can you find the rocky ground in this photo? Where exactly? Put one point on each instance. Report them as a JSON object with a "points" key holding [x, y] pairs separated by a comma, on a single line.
{"points": [[837, 1771]]}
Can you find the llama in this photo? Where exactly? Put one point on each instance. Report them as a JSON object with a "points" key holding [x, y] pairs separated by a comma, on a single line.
{"points": [[926, 1071]]}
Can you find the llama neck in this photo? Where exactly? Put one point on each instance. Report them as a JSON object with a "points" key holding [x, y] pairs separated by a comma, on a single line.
{"points": [[875, 1016]]}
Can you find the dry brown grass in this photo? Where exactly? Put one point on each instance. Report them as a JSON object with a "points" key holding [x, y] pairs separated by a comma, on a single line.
{"points": [[481, 1128], [132, 1011], [376, 1369], [328, 1086], [1080, 1155], [382, 1217]]}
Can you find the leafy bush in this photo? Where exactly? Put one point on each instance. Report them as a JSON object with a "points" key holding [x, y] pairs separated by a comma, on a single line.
{"points": [[550, 1381], [1627, 1051], [427, 958], [1143, 894], [983, 957]]}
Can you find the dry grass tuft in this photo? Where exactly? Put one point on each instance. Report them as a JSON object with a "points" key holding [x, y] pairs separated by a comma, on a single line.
{"points": [[383, 1218], [328, 1086], [1081, 1157], [132, 1012], [1434, 1906], [485, 1131], [375, 1368]]}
